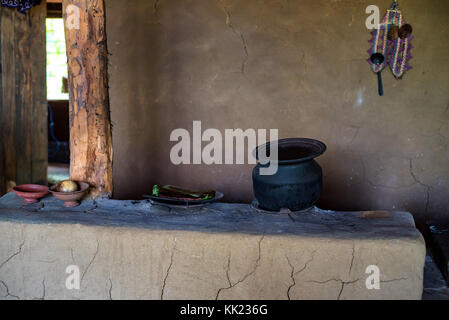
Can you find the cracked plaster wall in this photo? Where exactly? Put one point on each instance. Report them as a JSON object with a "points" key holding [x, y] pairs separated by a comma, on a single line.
{"points": [[294, 65], [126, 263]]}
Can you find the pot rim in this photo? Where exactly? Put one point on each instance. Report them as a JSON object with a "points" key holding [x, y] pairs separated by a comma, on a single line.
{"points": [[317, 148]]}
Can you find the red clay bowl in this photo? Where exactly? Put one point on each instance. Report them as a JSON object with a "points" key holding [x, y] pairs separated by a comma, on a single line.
{"points": [[71, 198], [30, 193]]}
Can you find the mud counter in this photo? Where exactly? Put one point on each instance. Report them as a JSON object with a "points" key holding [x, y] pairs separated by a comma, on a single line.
{"points": [[138, 250]]}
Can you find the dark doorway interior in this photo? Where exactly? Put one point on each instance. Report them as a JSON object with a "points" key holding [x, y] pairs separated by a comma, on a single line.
{"points": [[57, 96]]}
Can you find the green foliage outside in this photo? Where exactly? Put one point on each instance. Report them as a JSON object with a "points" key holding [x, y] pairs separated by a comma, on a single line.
{"points": [[56, 59]]}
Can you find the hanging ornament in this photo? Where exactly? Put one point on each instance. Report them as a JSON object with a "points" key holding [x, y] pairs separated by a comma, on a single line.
{"points": [[399, 45], [390, 44]]}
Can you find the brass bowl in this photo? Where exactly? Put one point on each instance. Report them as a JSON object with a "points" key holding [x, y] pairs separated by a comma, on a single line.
{"points": [[71, 199]]}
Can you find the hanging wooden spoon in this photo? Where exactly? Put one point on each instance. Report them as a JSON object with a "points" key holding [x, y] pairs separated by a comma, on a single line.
{"points": [[378, 58], [393, 33], [405, 31]]}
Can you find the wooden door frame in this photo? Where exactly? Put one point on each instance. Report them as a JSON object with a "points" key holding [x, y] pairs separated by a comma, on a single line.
{"points": [[23, 107]]}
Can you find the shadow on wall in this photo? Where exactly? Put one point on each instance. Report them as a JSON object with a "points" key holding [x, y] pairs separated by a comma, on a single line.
{"points": [[298, 66]]}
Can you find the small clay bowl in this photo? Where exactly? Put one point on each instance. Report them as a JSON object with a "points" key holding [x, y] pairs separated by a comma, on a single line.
{"points": [[31, 193], [71, 199]]}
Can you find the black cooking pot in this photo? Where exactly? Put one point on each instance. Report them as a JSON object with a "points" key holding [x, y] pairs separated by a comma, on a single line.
{"points": [[298, 182]]}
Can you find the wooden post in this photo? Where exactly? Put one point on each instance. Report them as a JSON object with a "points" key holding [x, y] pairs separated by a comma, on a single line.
{"points": [[90, 125], [23, 107]]}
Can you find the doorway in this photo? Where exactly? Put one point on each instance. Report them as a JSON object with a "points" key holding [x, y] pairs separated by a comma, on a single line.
{"points": [[57, 96]]}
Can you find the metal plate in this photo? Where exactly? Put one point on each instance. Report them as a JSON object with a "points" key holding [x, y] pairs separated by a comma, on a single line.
{"points": [[179, 202]]}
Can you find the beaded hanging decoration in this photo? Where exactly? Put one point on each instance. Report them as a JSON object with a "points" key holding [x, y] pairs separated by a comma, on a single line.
{"points": [[393, 45], [21, 5]]}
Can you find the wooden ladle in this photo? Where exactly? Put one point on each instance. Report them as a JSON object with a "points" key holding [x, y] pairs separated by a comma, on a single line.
{"points": [[393, 33], [405, 31], [378, 58]]}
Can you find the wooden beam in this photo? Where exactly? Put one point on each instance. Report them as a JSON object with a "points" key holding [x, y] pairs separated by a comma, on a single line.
{"points": [[31, 96], [38, 96], [9, 98], [90, 125], [23, 117]]}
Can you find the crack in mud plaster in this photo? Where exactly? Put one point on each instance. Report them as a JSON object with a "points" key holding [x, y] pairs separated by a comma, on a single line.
{"points": [[13, 255], [343, 283], [426, 186], [91, 261], [43, 290], [393, 280], [239, 35], [306, 264], [110, 289], [352, 259], [8, 294], [292, 276], [228, 267], [72, 255], [168, 272], [256, 265], [293, 273], [379, 185]]}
